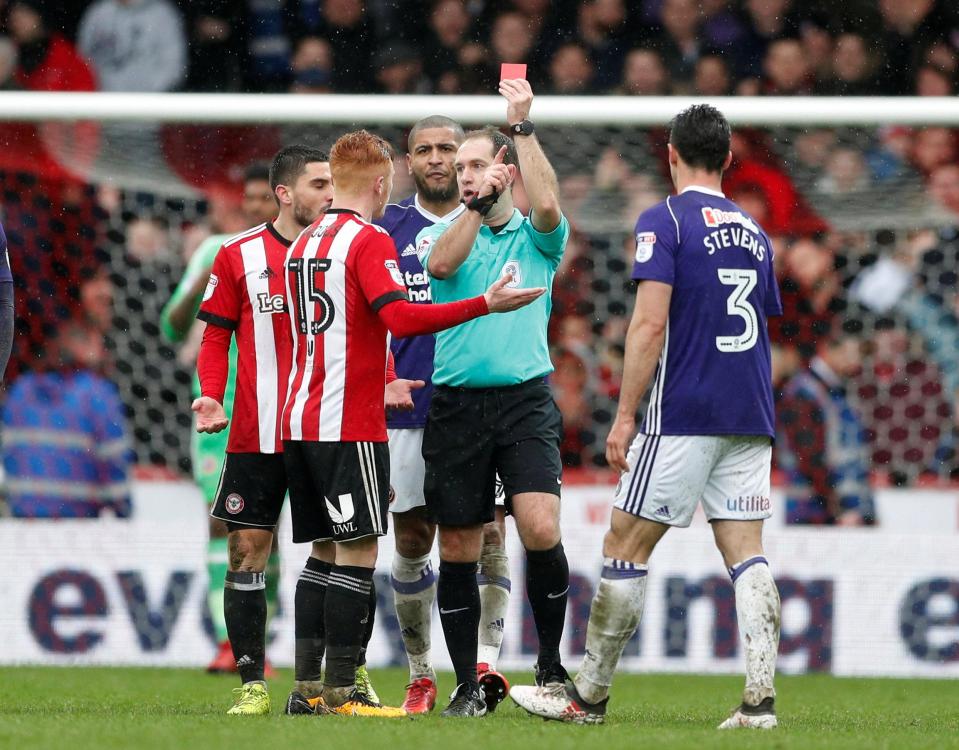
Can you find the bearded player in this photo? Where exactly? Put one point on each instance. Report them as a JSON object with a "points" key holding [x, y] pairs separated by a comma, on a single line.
{"points": [[208, 450], [245, 299]]}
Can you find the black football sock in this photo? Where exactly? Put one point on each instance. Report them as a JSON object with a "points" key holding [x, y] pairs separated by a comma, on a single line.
{"points": [[458, 596], [309, 619], [370, 622], [547, 588], [244, 607], [347, 605]]}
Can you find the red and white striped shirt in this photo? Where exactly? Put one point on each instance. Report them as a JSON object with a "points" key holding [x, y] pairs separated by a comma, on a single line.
{"points": [[339, 273], [247, 294]]}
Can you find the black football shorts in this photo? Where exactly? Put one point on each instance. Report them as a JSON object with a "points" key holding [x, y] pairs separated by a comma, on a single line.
{"points": [[338, 491], [473, 434], [252, 489]]}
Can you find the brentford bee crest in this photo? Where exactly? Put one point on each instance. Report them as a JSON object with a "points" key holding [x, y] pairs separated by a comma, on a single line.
{"points": [[234, 503]]}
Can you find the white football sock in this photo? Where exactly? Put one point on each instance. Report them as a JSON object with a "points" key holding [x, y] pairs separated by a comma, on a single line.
{"points": [[758, 612], [613, 618], [494, 586], [414, 591]]}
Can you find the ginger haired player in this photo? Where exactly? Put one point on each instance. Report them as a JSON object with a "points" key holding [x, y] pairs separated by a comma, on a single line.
{"points": [[345, 292]]}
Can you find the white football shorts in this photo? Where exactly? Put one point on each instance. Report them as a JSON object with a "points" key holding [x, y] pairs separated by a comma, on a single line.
{"points": [[669, 475], [408, 471]]}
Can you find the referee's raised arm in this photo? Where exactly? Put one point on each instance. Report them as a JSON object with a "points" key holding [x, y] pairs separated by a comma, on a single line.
{"points": [[542, 187]]}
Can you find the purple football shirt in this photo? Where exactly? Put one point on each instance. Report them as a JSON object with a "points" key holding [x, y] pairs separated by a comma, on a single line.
{"points": [[413, 356], [714, 375]]}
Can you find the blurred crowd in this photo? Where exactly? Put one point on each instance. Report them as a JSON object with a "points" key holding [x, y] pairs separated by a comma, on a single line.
{"points": [[630, 47], [864, 220]]}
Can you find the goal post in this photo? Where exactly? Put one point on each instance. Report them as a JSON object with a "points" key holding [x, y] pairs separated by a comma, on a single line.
{"points": [[593, 111]]}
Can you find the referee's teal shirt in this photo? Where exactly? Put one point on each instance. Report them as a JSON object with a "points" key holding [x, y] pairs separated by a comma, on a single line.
{"points": [[500, 349]]}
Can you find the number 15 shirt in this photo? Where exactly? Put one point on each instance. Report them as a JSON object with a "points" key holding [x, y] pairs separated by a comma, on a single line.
{"points": [[340, 272], [714, 374]]}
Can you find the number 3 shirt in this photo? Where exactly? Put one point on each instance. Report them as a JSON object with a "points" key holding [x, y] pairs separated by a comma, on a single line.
{"points": [[246, 294], [714, 374], [340, 273]]}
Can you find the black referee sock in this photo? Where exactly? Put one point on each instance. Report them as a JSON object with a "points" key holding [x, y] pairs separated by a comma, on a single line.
{"points": [[370, 622], [309, 619], [458, 596], [547, 588], [347, 605], [244, 607]]}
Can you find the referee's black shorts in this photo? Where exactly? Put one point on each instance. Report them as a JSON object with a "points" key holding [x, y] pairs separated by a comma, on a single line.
{"points": [[473, 434]]}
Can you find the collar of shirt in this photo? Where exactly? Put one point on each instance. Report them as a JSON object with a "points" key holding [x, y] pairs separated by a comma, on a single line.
{"points": [[460, 208], [701, 189], [514, 223], [271, 228]]}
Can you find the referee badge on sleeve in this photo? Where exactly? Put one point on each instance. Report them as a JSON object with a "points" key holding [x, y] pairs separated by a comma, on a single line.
{"points": [[644, 246], [422, 247]]}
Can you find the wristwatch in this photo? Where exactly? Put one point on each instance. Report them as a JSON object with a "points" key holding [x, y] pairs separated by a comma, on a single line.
{"points": [[522, 128]]}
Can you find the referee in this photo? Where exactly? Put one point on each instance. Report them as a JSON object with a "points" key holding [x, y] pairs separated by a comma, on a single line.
{"points": [[492, 411]]}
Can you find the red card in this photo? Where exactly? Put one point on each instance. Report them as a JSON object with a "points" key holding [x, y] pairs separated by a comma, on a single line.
{"points": [[512, 70]]}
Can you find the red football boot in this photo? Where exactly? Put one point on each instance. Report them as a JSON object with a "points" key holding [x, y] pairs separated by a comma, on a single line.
{"points": [[420, 696]]}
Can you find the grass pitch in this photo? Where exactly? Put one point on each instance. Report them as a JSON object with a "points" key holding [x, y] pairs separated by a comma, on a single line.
{"points": [[79, 708]]}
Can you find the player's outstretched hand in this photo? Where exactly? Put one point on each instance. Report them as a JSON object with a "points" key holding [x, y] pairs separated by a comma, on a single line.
{"points": [[617, 443], [210, 416], [500, 298], [519, 98], [399, 393]]}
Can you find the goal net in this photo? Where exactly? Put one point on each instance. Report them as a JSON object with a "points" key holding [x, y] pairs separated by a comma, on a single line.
{"points": [[861, 199], [105, 197]]}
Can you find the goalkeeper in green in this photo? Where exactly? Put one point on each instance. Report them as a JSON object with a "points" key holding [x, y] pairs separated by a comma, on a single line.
{"points": [[209, 450]]}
